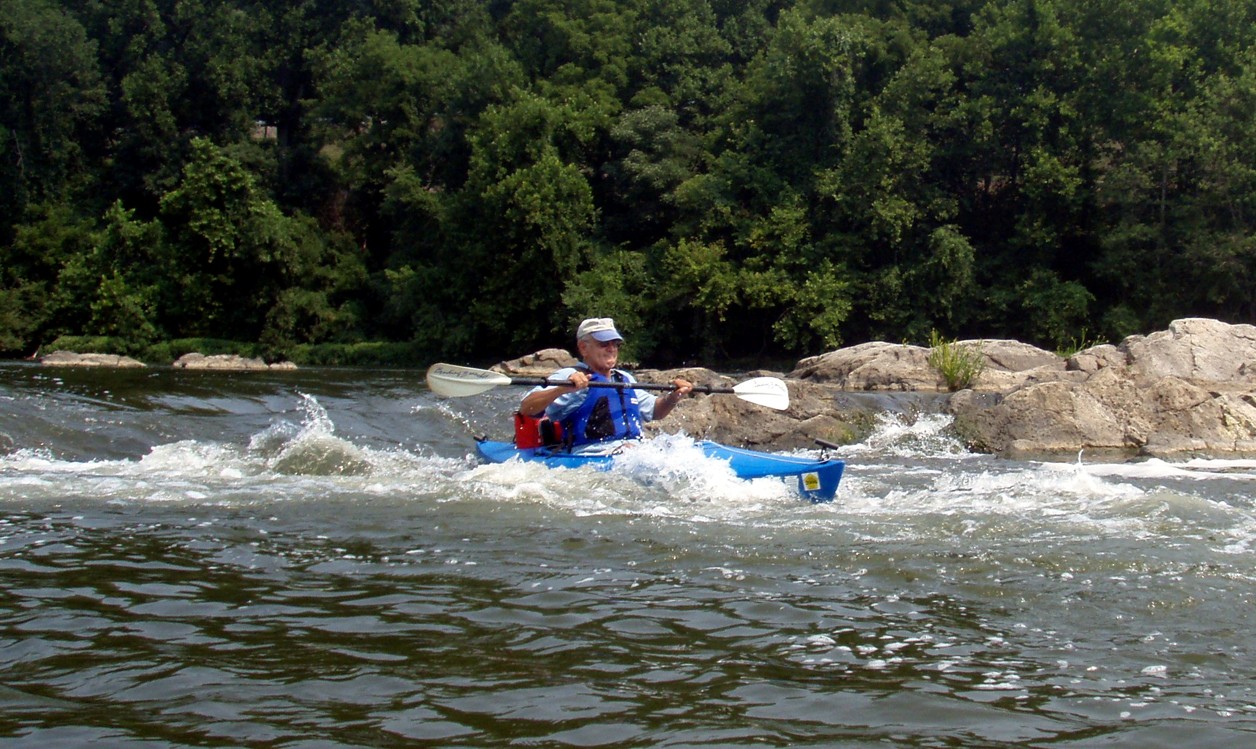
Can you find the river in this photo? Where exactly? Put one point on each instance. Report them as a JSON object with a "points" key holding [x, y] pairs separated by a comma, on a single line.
{"points": [[316, 559]]}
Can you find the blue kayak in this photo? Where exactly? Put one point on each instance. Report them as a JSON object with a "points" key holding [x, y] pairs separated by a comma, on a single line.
{"points": [[817, 480]]}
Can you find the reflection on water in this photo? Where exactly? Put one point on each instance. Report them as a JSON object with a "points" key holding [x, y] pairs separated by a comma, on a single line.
{"points": [[317, 561]]}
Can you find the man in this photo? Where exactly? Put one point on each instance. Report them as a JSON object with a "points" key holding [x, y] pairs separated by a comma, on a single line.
{"points": [[599, 414]]}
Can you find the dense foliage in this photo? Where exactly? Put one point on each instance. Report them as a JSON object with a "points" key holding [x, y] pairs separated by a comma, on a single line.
{"points": [[727, 178]]}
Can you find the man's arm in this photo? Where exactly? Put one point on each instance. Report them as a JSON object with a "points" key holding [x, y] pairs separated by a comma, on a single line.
{"points": [[664, 405], [535, 402]]}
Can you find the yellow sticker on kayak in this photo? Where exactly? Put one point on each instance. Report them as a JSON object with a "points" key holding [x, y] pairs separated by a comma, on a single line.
{"points": [[810, 481]]}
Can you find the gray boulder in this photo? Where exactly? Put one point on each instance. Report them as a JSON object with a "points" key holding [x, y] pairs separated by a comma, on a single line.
{"points": [[901, 367], [813, 414], [1188, 390], [1195, 350], [538, 364], [872, 366], [73, 359], [231, 362]]}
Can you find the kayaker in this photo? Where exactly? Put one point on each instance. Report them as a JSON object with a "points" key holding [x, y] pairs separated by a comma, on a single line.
{"points": [[596, 415]]}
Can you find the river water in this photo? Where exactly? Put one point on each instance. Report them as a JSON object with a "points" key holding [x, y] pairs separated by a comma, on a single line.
{"points": [[315, 559]]}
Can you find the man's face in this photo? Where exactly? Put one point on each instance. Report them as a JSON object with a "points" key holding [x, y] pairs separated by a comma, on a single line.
{"points": [[601, 356]]}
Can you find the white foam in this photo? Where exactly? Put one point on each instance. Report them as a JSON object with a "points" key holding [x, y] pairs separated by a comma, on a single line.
{"points": [[1155, 468], [903, 435], [284, 461], [666, 476]]}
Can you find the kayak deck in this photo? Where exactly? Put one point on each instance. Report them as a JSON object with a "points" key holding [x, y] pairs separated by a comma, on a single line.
{"points": [[816, 480]]}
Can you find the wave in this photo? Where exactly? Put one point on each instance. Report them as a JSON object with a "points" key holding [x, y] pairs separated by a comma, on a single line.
{"points": [[286, 460], [664, 476], [906, 436]]}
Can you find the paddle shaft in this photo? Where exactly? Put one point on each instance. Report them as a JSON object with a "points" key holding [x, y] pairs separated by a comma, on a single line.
{"points": [[617, 385], [457, 381]]}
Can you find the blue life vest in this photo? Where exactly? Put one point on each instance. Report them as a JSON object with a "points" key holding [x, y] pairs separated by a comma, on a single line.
{"points": [[606, 414]]}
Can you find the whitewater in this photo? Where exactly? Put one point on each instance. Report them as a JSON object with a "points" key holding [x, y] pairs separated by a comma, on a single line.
{"points": [[317, 558]]}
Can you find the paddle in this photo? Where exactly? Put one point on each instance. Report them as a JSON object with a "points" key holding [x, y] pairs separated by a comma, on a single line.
{"points": [[454, 381]]}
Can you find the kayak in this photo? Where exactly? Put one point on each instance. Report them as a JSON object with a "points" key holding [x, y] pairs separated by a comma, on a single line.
{"points": [[815, 479]]}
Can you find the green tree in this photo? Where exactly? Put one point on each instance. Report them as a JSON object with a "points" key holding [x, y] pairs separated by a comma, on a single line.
{"points": [[30, 266], [1174, 187], [681, 61], [739, 178], [230, 253], [388, 109], [618, 284], [176, 70], [533, 215], [795, 114], [656, 154], [496, 255], [51, 97], [575, 50], [112, 290]]}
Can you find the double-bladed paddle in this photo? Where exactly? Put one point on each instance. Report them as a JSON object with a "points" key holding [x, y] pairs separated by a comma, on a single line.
{"points": [[454, 381]]}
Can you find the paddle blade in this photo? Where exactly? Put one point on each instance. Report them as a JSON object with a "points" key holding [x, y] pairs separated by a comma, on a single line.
{"points": [[454, 381], [768, 392]]}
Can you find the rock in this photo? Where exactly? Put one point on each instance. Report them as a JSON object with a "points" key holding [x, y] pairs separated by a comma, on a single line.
{"points": [[1183, 391], [1014, 356], [72, 359], [538, 364], [1046, 418], [231, 362], [1196, 350], [1095, 358], [890, 366], [1191, 419], [1187, 390], [872, 366], [723, 417]]}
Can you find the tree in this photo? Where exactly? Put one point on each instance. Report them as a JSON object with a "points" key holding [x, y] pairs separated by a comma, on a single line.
{"points": [[532, 214], [231, 254], [654, 156], [389, 108], [51, 97], [51, 237], [113, 289], [794, 115]]}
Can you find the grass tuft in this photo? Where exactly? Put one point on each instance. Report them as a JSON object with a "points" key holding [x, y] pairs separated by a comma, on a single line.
{"points": [[959, 365], [1075, 345]]}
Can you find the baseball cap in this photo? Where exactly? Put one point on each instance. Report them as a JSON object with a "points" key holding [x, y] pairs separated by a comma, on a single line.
{"points": [[601, 328]]}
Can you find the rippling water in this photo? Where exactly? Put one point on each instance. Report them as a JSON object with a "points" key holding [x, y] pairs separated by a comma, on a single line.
{"points": [[314, 559]]}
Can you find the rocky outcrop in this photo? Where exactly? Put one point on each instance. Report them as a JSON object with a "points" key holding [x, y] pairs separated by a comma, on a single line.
{"points": [[72, 359], [901, 367], [539, 364], [872, 366], [230, 362], [813, 414], [1188, 390], [187, 361], [1196, 350]]}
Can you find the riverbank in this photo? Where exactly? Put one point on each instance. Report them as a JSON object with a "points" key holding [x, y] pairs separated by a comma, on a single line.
{"points": [[1187, 391], [166, 353]]}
